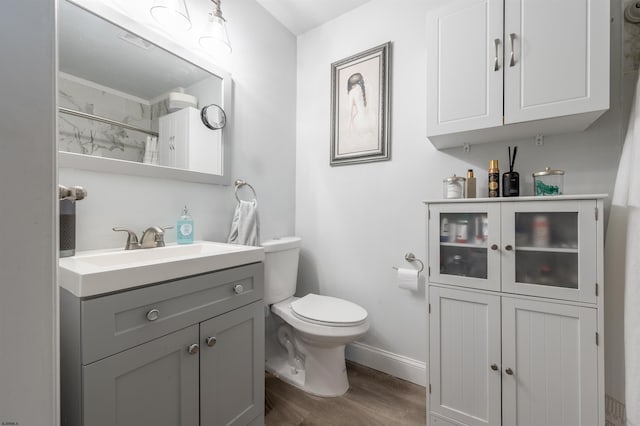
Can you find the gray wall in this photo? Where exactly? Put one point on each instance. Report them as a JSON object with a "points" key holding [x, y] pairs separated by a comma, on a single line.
{"points": [[28, 294]]}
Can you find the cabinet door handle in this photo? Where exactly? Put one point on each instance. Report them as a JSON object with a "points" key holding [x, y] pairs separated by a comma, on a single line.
{"points": [[238, 288], [512, 60], [153, 314], [494, 367], [193, 349], [494, 247], [508, 247], [496, 63], [211, 341], [509, 371]]}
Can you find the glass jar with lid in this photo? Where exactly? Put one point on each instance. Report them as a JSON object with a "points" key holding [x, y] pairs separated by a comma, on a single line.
{"points": [[454, 187], [548, 182]]}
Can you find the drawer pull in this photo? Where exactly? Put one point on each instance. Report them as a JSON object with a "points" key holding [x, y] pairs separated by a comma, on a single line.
{"points": [[509, 371], [494, 367], [153, 315], [238, 288], [508, 247], [211, 341], [494, 247], [193, 349]]}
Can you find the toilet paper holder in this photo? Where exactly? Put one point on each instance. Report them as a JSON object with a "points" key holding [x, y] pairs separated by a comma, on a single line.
{"points": [[410, 257]]}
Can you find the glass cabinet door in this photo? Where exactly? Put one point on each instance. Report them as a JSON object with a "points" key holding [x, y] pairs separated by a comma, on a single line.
{"points": [[464, 244], [548, 249]]}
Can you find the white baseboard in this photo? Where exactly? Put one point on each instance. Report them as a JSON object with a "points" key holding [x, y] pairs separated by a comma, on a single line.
{"points": [[397, 365]]}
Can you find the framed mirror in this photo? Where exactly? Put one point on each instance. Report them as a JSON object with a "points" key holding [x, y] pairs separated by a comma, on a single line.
{"points": [[132, 102]]}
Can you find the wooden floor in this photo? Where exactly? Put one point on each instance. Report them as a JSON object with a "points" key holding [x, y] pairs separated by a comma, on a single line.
{"points": [[373, 399]]}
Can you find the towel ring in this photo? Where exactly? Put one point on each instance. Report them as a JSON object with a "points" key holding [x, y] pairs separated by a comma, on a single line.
{"points": [[239, 184]]}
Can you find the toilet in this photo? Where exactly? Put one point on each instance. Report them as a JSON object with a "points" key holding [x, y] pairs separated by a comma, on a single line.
{"points": [[308, 334]]}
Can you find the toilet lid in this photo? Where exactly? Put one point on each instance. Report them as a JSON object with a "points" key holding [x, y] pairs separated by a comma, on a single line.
{"points": [[328, 310]]}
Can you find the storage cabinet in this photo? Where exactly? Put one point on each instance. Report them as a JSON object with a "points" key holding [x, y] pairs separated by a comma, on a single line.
{"points": [[495, 68], [516, 311], [185, 352]]}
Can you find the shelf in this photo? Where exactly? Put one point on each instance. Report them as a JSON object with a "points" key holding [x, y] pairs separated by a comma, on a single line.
{"points": [[467, 245], [548, 249]]}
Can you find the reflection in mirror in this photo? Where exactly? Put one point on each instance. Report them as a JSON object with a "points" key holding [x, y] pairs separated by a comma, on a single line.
{"points": [[124, 98]]}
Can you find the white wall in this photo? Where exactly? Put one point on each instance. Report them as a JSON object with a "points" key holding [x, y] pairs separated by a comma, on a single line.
{"points": [[358, 221], [28, 291], [261, 129]]}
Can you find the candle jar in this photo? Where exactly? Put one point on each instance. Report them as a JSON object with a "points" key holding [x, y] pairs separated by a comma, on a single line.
{"points": [[454, 187]]}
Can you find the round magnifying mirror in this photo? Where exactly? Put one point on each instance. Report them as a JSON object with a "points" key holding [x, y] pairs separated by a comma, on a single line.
{"points": [[213, 116]]}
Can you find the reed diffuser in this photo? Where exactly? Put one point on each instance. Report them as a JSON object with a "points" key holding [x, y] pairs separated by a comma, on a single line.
{"points": [[511, 179]]}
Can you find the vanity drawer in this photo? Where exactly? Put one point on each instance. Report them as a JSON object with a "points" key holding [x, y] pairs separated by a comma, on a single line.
{"points": [[116, 322]]}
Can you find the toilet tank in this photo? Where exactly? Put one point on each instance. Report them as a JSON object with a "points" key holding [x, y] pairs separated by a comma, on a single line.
{"points": [[280, 268]]}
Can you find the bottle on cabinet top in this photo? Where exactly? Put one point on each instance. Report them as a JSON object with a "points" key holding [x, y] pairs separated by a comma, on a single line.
{"points": [[494, 179], [471, 184]]}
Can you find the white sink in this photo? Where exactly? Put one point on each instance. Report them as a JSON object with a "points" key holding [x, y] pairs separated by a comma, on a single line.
{"points": [[95, 272]]}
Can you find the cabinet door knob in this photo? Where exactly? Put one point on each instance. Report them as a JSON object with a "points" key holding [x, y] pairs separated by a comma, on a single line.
{"points": [[193, 349], [508, 247], [494, 367], [211, 341], [494, 247], [509, 371], [238, 288], [153, 315]]}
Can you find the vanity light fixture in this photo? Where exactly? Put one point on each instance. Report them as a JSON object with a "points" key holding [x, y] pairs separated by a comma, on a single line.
{"points": [[215, 38], [171, 14]]}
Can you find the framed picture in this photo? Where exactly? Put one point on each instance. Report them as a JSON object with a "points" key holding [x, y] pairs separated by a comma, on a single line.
{"points": [[360, 107]]}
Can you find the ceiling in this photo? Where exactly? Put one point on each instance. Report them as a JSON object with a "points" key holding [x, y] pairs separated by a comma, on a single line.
{"points": [[299, 16]]}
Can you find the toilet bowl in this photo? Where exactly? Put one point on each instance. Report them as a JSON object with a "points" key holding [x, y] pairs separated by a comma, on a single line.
{"points": [[307, 346]]}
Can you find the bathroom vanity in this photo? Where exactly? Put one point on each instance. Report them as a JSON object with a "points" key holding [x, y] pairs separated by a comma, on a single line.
{"points": [[515, 311], [183, 351]]}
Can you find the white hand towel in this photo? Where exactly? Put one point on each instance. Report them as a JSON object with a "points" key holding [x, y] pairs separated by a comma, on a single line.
{"points": [[245, 227]]}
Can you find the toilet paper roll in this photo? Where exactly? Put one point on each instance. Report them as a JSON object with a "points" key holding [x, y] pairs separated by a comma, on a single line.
{"points": [[407, 278]]}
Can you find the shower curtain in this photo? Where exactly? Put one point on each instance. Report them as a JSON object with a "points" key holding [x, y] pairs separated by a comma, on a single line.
{"points": [[622, 254]]}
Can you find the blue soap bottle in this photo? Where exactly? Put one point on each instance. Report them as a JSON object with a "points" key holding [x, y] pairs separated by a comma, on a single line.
{"points": [[185, 227]]}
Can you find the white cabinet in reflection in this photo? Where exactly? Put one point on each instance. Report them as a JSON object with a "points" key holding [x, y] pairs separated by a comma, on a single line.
{"points": [[186, 143]]}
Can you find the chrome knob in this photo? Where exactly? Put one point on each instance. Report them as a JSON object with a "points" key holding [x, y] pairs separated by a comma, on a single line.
{"points": [[193, 349], [494, 367], [153, 315], [211, 341], [494, 247], [509, 371], [238, 288], [508, 247]]}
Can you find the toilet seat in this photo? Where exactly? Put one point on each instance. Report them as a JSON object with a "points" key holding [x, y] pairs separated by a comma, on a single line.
{"points": [[328, 311]]}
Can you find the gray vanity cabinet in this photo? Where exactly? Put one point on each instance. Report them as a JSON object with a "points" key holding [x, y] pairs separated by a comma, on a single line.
{"points": [[231, 373], [186, 352], [151, 384]]}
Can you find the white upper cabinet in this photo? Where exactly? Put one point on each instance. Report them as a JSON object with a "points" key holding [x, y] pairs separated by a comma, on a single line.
{"points": [[464, 75], [507, 69]]}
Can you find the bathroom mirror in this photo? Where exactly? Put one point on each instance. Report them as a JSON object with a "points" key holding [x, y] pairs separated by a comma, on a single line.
{"points": [[129, 102]]}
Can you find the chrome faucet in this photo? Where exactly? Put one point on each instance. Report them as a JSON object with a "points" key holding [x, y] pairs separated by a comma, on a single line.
{"points": [[152, 237]]}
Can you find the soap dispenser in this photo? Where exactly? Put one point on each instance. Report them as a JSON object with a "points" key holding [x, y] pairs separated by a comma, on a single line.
{"points": [[185, 227]]}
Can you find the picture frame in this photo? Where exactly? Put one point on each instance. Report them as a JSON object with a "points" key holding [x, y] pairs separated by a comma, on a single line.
{"points": [[360, 130]]}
